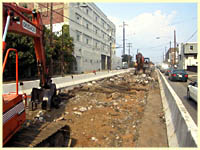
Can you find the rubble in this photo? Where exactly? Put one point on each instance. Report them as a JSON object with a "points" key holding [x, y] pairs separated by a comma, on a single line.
{"points": [[77, 113], [111, 79], [107, 112], [94, 139], [89, 84], [82, 109]]}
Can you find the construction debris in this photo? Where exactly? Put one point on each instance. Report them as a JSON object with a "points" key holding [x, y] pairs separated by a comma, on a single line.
{"points": [[105, 113]]}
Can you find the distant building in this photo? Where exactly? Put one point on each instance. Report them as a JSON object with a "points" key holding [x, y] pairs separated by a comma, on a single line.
{"points": [[92, 31], [171, 56], [188, 56]]}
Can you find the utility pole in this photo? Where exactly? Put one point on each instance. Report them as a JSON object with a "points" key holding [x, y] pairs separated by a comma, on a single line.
{"points": [[123, 37], [165, 54], [174, 47], [51, 19], [110, 53], [170, 52], [129, 46], [51, 36], [62, 57]]}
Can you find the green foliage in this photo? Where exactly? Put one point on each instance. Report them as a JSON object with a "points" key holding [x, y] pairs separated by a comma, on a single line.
{"points": [[67, 48], [125, 58], [26, 57], [26, 53]]}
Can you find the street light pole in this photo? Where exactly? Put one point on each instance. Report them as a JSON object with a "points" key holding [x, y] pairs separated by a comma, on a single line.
{"points": [[110, 33], [174, 47], [129, 46], [123, 53]]}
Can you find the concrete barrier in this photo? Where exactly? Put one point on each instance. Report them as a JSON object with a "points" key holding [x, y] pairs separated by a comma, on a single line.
{"points": [[181, 129]]}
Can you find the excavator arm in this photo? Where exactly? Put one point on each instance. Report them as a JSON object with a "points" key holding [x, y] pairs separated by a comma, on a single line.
{"points": [[14, 115], [15, 20]]}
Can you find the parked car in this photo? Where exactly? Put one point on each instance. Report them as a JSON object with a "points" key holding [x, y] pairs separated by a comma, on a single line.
{"points": [[118, 68], [192, 89], [178, 75], [168, 71], [125, 65]]}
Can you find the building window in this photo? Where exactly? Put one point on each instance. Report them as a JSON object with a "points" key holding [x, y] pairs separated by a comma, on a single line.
{"points": [[87, 26], [75, 66], [195, 56], [96, 18], [87, 11], [78, 18], [91, 61], [96, 44], [87, 41], [191, 47], [78, 37]]}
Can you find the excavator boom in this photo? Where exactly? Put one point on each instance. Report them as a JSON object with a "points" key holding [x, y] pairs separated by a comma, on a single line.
{"points": [[18, 20], [15, 21]]}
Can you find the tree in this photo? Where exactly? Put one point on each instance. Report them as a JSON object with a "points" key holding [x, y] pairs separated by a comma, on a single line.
{"points": [[26, 59], [67, 49], [125, 58], [26, 52]]}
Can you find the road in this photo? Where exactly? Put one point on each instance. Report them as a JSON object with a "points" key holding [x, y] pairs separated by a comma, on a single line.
{"points": [[181, 90]]}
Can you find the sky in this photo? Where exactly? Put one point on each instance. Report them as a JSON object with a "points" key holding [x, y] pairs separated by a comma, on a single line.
{"points": [[146, 21]]}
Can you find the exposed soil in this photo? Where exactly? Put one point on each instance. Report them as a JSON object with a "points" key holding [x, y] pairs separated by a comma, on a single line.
{"points": [[121, 111]]}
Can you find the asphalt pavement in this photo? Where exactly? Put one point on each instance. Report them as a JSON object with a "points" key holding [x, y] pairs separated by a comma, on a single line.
{"points": [[181, 90]]}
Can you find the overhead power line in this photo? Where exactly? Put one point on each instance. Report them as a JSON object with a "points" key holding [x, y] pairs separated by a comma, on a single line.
{"points": [[191, 36], [179, 22], [155, 46], [59, 13]]}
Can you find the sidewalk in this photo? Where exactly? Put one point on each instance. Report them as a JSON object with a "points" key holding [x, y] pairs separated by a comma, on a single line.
{"points": [[192, 73], [62, 82], [192, 76]]}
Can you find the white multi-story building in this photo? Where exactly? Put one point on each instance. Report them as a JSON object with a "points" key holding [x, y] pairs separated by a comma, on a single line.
{"points": [[188, 56], [94, 37], [92, 31]]}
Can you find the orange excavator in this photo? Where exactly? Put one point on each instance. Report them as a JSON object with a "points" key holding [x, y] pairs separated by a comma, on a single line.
{"points": [[140, 63], [14, 114]]}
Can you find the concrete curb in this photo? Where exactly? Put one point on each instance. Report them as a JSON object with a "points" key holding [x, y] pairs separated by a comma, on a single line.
{"points": [[182, 126], [61, 82]]}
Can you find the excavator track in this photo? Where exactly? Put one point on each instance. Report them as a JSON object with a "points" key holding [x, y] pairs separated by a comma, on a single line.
{"points": [[50, 134]]}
